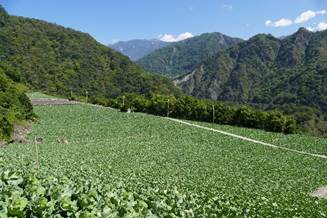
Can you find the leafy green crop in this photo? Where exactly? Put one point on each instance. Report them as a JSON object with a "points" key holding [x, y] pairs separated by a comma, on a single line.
{"points": [[136, 165]]}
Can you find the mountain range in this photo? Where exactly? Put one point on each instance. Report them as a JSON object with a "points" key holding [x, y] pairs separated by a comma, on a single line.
{"points": [[182, 57], [288, 73], [138, 48]]}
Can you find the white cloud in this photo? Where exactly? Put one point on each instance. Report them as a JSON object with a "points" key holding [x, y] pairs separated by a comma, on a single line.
{"points": [[283, 22], [311, 29], [308, 15], [172, 38], [302, 18], [322, 26], [225, 6], [279, 23], [319, 27]]}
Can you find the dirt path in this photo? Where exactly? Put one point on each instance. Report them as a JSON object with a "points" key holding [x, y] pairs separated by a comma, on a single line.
{"points": [[248, 139], [49, 102], [38, 102]]}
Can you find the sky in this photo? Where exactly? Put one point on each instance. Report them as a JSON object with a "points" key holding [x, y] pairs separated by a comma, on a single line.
{"points": [[110, 21]]}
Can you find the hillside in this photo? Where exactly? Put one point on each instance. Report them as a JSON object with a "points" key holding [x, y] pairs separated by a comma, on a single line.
{"points": [[182, 57], [288, 73], [15, 106], [106, 162], [138, 48], [59, 60]]}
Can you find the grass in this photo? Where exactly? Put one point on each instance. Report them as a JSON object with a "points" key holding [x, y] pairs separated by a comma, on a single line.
{"points": [[230, 177]]}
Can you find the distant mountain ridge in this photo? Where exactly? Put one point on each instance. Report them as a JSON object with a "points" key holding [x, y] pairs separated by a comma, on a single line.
{"points": [[138, 48], [182, 57]]}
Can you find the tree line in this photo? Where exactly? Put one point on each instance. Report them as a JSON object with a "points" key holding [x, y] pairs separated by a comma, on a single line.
{"points": [[190, 108]]}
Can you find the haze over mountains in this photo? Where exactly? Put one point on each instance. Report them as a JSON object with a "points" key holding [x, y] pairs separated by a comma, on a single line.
{"points": [[138, 48]]}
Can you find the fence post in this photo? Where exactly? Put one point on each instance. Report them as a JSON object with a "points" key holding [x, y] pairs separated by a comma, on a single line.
{"points": [[86, 93]]}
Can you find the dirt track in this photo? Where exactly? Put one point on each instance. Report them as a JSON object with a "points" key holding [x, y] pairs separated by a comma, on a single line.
{"points": [[37, 102]]}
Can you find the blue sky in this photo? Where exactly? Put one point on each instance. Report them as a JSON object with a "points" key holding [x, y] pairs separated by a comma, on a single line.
{"points": [[113, 20]]}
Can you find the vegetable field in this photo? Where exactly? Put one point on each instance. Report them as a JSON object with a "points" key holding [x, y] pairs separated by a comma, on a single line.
{"points": [[117, 164]]}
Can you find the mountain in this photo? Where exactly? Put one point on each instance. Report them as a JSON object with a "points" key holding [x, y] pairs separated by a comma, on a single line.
{"points": [[182, 57], [55, 59], [289, 73], [138, 48]]}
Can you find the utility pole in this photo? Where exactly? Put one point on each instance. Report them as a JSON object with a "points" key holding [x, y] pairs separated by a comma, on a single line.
{"points": [[168, 108], [123, 101]]}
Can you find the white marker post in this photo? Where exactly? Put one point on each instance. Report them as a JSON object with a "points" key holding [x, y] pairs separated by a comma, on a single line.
{"points": [[168, 108], [213, 113]]}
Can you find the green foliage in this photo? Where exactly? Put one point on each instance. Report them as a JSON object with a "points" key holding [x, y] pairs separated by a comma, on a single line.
{"points": [[6, 127], [271, 73], [14, 104], [60, 60], [190, 108], [27, 196], [182, 57], [118, 164]]}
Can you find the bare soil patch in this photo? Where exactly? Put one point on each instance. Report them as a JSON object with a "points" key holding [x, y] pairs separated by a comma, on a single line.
{"points": [[320, 192], [20, 133], [40, 102]]}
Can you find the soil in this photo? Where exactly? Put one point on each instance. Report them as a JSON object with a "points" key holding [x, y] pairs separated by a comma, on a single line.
{"points": [[20, 133], [38, 102], [320, 192]]}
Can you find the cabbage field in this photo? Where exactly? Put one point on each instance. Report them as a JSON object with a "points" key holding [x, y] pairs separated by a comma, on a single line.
{"points": [[96, 162]]}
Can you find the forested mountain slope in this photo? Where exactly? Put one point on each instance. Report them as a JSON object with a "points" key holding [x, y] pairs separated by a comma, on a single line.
{"points": [[59, 60], [289, 73]]}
